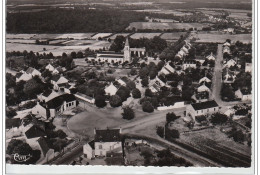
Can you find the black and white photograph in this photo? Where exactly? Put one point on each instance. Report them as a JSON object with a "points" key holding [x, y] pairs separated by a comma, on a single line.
{"points": [[161, 83]]}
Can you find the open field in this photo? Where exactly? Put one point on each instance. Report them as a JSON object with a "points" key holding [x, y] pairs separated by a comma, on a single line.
{"points": [[221, 38], [23, 41], [144, 35], [164, 26], [172, 36], [163, 11], [118, 34], [101, 35]]}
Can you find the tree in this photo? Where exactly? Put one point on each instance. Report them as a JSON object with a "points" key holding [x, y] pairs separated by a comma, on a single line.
{"points": [[136, 93], [227, 93], [12, 144], [115, 101], [118, 44], [61, 134], [218, 118], [10, 113], [133, 71], [171, 117], [128, 113], [148, 93], [145, 81], [123, 93], [143, 72], [100, 101], [160, 131], [33, 87], [130, 85], [73, 54], [80, 54], [147, 107]]}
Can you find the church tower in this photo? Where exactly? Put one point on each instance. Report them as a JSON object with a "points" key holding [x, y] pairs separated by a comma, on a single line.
{"points": [[127, 53]]}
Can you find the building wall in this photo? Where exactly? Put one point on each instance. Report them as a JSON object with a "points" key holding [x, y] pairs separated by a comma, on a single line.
{"points": [[88, 151], [176, 105], [38, 109], [101, 148], [69, 105], [185, 66], [191, 111], [247, 97]]}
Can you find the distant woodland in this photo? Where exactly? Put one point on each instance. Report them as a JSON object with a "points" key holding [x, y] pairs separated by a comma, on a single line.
{"points": [[68, 21]]}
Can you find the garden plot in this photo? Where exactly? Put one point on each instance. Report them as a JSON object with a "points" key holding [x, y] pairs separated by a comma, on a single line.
{"points": [[101, 35], [20, 36], [172, 36], [144, 35], [22, 41], [29, 47], [76, 35], [221, 38], [164, 26], [118, 34], [46, 36]]}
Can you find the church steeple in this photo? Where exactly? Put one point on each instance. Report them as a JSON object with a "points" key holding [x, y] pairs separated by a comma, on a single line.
{"points": [[127, 55], [127, 42]]}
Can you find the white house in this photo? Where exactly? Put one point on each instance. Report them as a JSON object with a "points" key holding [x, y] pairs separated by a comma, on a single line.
{"points": [[226, 50], [55, 106], [167, 69], [58, 80], [121, 82], [248, 67], [202, 108], [205, 79], [211, 57], [105, 142], [50, 67], [244, 94], [229, 77], [47, 95], [226, 44], [111, 89], [84, 98], [27, 75], [189, 64], [230, 63], [203, 88]]}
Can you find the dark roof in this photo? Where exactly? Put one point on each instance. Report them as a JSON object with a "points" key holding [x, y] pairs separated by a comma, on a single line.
{"points": [[189, 62], [10, 123], [245, 91], [58, 101], [110, 52], [29, 70], [19, 74], [108, 135], [55, 77], [34, 131], [47, 92], [63, 85], [112, 56], [204, 105], [92, 144], [44, 146]]}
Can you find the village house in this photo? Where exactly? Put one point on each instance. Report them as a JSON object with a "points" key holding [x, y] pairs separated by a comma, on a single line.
{"points": [[204, 79], [229, 77], [84, 98], [27, 75], [230, 63], [226, 49], [203, 88], [226, 44], [211, 57], [58, 81], [55, 106], [248, 67], [50, 67], [202, 108], [48, 95], [167, 69], [106, 142], [189, 64], [244, 94], [110, 90]]}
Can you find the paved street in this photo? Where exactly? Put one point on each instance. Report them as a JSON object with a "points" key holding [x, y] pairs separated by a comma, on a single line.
{"points": [[217, 76]]}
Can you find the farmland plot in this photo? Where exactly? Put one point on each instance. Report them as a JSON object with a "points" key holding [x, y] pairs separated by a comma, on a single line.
{"points": [[118, 34], [101, 35], [144, 35], [172, 36], [165, 26], [22, 41], [221, 38], [20, 36]]}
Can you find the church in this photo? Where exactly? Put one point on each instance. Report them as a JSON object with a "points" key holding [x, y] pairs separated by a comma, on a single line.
{"points": [[125, 55]]}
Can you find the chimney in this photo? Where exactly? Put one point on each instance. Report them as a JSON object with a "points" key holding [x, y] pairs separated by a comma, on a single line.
{"points": [[94, 131], [120, 130]]}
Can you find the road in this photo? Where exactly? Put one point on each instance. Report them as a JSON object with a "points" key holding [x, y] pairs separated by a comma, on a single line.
{"points": [[217, 76]]}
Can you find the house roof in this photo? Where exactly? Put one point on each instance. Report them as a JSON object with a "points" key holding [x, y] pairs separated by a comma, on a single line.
{"points": [[19, 74], [58, 101], [44, 146], [55, 78], [112, 56], [47, 92], [85, 96], [92, 144], [204, 105], [11, 123], [30, 70], [34, 132], [108, 135]]}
